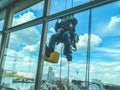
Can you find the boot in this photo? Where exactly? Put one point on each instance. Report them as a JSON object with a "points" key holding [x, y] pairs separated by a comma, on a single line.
{"points": [[69, 57], [67, 51], [48, 51]]}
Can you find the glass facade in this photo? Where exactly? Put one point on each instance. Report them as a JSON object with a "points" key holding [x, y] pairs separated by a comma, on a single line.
{"points": [[23, 52]]}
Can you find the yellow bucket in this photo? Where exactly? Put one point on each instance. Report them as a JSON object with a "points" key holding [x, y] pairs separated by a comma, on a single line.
{"points": [[54, 57]]}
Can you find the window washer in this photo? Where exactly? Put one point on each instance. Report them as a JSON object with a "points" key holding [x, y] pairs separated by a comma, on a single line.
{"points": [[65, 33]]}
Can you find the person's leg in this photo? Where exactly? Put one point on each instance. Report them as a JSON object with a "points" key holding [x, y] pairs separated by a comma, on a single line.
{"points": [[67, 45], [54, 38]]}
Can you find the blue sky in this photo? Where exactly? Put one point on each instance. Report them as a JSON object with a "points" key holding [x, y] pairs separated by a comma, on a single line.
{"points": [[105, 45], [1, 24]]}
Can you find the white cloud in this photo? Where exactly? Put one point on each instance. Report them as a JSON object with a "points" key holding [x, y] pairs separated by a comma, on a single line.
{"points": [[108, 50], [105, 71], [11, 52], [26, 63], [28, 36], [82, 43], [117, 68], [26, 58], [31, 48], [115, 20], [76, 65], [23, 18], [111, 28], [110, 76]]}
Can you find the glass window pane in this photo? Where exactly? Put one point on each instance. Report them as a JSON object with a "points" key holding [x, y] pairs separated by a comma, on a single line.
{"points": [[105, 49], [0, 39], [80, 2], [28, 14], [77, 65], [1, 24], [21, 58], [60, 5], [57, 6]]}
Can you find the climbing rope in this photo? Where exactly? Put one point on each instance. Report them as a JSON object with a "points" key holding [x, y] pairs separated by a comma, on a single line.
{"points": [[68, 73], [61, 47], [62, 51], [88, 52], [61, 65]]}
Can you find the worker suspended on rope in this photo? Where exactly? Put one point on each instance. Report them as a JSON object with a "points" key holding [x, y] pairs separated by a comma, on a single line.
{"points": [[65, 33]]}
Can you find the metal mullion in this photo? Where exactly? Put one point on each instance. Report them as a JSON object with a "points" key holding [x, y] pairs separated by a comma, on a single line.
{"points": [[0, 32], [2, 14], [38, 80], [25, 25], [4, 40]]}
